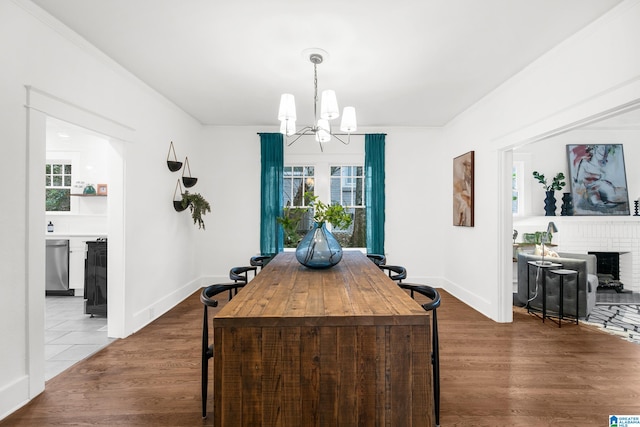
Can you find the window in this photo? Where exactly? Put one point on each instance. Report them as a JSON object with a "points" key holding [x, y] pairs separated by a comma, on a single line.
{"points": [[342, 185], [58, 186], [347, 189], [297, 181], [517, 187], [297, 219]]}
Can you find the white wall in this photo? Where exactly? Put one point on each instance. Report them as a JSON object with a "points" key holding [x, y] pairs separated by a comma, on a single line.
{"points": [[414, 207], [160, 263], [594, 71]]}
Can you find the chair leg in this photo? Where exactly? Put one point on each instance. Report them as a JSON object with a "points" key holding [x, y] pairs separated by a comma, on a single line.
{"points": [[436, 368], [205, 362]]}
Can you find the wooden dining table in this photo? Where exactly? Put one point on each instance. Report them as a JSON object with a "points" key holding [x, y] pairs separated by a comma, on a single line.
{"points": [[343, 346]]}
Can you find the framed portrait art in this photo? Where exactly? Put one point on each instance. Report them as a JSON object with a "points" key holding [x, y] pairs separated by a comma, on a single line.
{"points": [[463, 167], [598, 179], [102, 190]]}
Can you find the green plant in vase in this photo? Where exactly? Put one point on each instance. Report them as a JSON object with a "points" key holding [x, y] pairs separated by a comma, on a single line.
{"points": [[198, 206], [335, 215], [556, 184]]}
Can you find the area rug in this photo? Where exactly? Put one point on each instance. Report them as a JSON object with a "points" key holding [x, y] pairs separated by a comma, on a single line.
{"points": [[621, 320], [609, 297]]}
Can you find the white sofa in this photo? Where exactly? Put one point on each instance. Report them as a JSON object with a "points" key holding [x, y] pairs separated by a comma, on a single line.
{"points": [[584, 264]]}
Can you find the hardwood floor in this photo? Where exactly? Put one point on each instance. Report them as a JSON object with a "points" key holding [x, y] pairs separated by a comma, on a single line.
{"points": [[521, 374]]}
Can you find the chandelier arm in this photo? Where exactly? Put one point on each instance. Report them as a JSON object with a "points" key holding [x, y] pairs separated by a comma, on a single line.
{"points": [[341, 140], [302, 132]]}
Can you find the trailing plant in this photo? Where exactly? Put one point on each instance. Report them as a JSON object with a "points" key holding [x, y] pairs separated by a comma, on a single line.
{"points": [[556, 184], [198, 206]]}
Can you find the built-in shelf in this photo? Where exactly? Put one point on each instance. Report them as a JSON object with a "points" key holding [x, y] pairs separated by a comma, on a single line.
{"points": [[89, 195]]}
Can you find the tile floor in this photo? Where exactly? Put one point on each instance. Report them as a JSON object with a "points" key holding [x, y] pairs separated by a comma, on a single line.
{"points": [[70, 335]]}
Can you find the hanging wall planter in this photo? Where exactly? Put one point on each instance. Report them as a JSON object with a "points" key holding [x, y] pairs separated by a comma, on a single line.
{"points": [[188, 181], [177, 204], [174, 165]]}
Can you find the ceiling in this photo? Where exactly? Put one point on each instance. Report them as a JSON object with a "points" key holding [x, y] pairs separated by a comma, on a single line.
{"points": [[401, 63]]}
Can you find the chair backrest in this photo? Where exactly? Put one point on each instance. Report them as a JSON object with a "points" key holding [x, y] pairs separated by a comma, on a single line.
{"points": [[427, 291], [209, 291], [260, 260], [378, 259], [396, 272], [241, 273]]}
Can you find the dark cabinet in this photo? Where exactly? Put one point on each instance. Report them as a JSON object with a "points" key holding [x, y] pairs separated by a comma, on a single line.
{"points": [[95, 278]]}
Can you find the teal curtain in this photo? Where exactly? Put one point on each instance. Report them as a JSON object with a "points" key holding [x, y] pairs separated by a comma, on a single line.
{"points": [[374, 191], [271, 182]]}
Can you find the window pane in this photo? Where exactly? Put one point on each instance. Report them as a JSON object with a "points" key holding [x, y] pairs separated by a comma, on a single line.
{"points": [[67, 180], [355, 235], [308, 171], [309, 185], [57, 181], [48, 169], [335, 170], [58, 200], [359, 192], [57, 169], [298, 192], [297, 170], [67, 169], [47, 179]]}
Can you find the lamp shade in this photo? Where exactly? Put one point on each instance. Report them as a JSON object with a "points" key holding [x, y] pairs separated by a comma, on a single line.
{"points": [[324, 131], [329, 105], [288, 127], [287, 110], [349, 123]]}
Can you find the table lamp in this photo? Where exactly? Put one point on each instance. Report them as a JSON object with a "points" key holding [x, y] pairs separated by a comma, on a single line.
{"points": [[551, 228]]}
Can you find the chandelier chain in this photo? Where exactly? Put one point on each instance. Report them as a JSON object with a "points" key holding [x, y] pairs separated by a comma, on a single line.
{"points": [[315, 94]]}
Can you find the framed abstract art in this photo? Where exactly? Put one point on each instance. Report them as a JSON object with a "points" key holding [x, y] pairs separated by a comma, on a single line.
{"points": [[463, 169], [598, 179]]}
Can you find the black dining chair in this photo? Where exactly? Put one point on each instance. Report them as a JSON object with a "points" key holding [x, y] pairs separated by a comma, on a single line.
{"points": [[378, 259], [260, 260], [434, 297], [240, 276], [207, 349], [396, 272]]}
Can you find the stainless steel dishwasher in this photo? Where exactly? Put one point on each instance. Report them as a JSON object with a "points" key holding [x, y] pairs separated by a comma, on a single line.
{"points": [[57, 268]]}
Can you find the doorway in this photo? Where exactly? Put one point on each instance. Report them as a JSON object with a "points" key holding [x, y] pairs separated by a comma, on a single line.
{"points": [[40, 107], [76, 164]]}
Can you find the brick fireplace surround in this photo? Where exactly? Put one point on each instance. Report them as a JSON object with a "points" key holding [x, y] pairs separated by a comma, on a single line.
{"points": [[595, 234]]}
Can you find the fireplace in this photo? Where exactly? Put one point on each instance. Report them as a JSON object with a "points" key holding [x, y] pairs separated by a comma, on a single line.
{"points": [[608, 268]]}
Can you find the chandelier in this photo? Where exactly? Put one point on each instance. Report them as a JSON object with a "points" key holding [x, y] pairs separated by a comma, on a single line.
{"points": [[321, 128]]}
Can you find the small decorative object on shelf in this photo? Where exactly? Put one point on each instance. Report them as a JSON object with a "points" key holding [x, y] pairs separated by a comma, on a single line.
{"points": [[174, 165], [635, 207], [567, 204], [102, 190], [89, 190], [188, 181], [556, 184]]}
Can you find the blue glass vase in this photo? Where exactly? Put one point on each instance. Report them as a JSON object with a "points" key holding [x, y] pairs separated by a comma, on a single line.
{"points": [[319, 248]]}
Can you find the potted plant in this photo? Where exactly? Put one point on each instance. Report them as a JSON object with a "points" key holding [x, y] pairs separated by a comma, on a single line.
{"points": [[319, 248], [198, 206], [556, 184]]}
